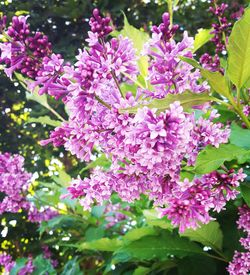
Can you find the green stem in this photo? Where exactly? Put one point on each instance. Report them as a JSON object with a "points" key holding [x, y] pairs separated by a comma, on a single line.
{"points": [[116, 83], [238, 97], [216, 257], [239, 111], [102, 102], [54, 112], [135, 81], [170, 11]]}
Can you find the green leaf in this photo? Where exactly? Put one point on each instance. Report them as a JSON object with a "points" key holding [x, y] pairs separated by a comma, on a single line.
{"points": [[141, 270], [44, 120], [41, 99], [208, 234], [72, 268], [128, 88], [104, 244], [190, 61], [93, 233], [157, 247], [186, 99], [62, 222], [239, 51], [138, 233], [201, 38], [139, 38], [197, 266], [43, 266], [19, 264], [101, 161], [152, 218], [245, 192], [240, 136], [98, 210], [212, 158], [217, 82], [215, 79]]}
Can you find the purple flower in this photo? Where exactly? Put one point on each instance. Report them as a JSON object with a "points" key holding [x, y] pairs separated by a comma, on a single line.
{"points": [[6, 261]]}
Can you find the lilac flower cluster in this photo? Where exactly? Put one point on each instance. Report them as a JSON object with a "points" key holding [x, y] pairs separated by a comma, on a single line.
{"points": [[191, 202], [14, 184], [28, 268], [47, 254], [148, 148], [99, 25], [240, 265], [221, 31], [45, 214], [24, 51], [166, 72], [6, 261]]}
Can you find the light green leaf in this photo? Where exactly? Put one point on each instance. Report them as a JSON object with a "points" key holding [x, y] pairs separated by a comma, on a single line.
{"points": [[212, 158], [190, 61], [216, 80], [104, 244], [157, 247], [139, 38], [152, 218], [101, 161], [44, 120], [240, 136], [245, 191], [186, 99], [208, 234], [138, 233], [201, 38], [141, 270], [239, 51]]}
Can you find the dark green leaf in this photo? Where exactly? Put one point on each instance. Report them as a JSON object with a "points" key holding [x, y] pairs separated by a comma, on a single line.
{"points": [[240, 136], [197, 266], [94, 233], [208, 234], [43, 266], [20, 263], [72, 268], [245, 191], [155, 247]]}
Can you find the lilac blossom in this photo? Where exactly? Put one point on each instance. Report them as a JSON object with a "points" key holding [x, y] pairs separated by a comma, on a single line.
{"points": [[24, 51], [14, 181], [6, 261], [240, 263]]}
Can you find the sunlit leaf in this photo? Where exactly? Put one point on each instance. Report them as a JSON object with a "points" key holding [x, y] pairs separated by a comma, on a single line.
{"points": [[239, 51]]}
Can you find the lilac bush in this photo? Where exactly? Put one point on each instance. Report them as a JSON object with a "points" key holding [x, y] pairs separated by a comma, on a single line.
{"points": [[155, 114]]}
